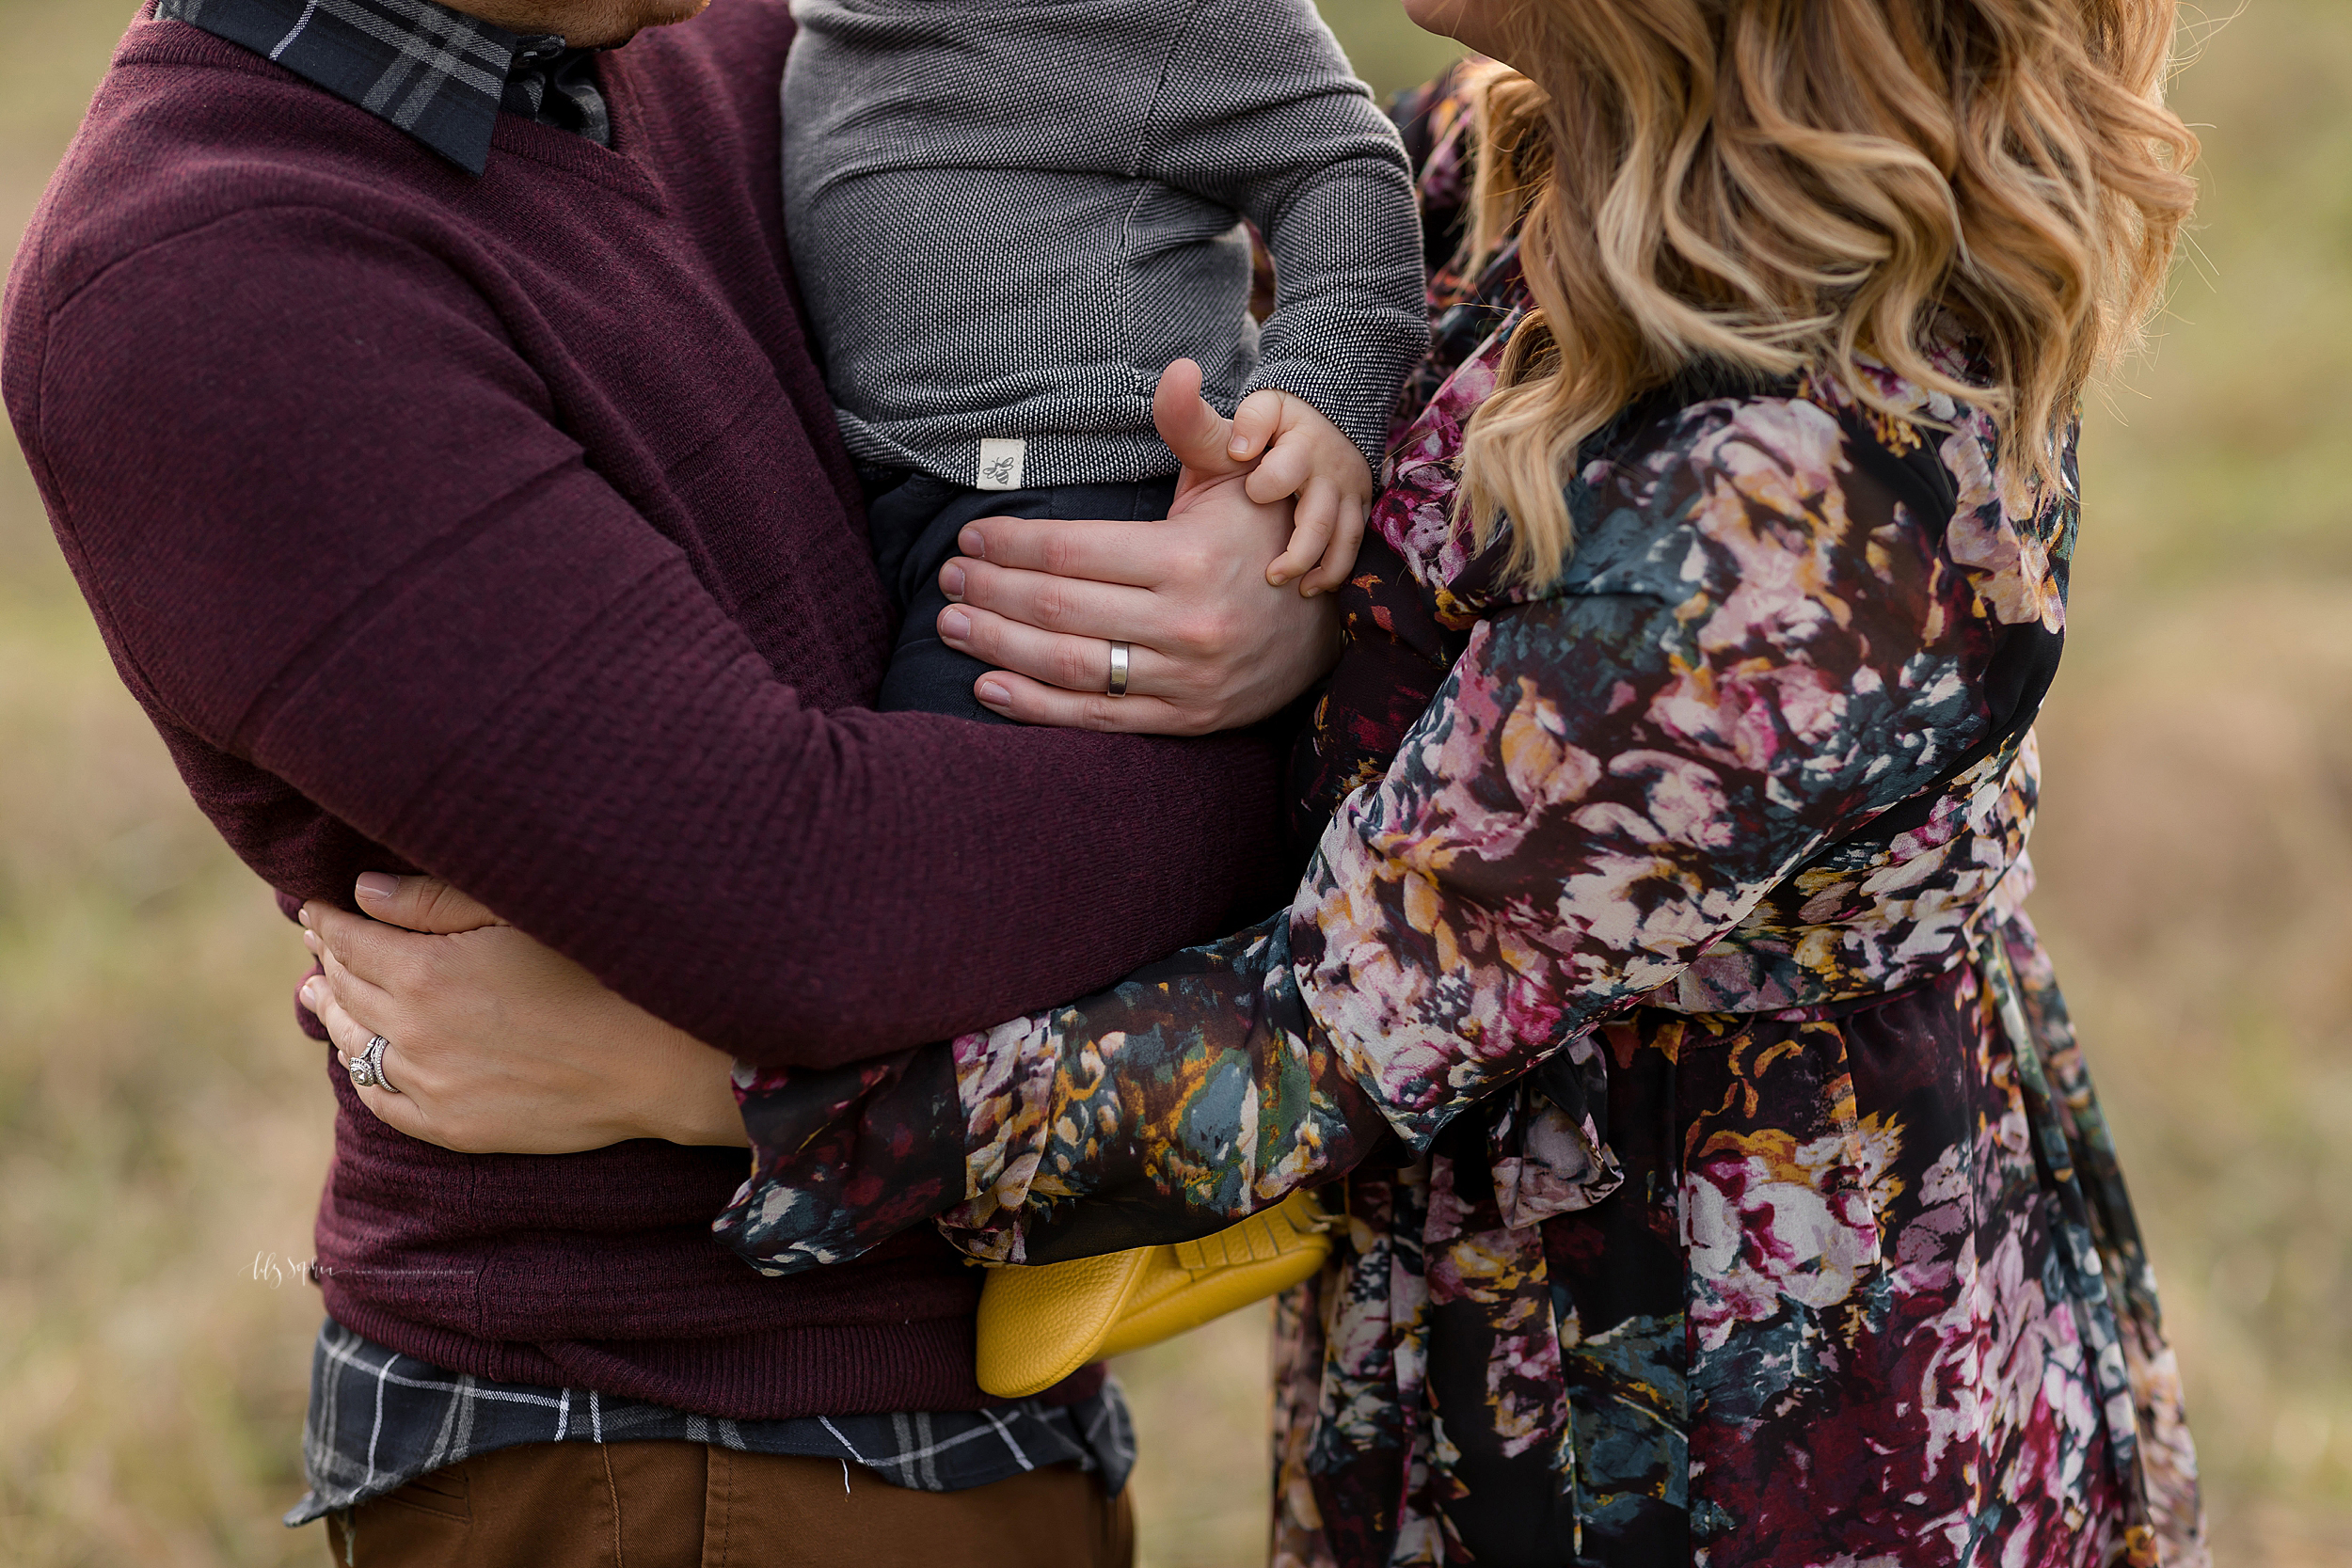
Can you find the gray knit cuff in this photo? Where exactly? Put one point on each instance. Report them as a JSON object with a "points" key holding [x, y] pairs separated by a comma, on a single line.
{"points": [[1359, 394]]}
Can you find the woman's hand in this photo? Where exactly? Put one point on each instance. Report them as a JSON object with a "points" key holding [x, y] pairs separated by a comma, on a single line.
{"points": [[497, 1044], [1212, 645]]}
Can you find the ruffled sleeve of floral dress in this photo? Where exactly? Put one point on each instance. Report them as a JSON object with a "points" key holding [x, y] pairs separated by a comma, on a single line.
{"points": [[1760, 643]]}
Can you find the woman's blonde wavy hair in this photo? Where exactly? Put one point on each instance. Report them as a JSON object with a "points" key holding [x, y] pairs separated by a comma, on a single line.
{"points": [[1772, 185]]}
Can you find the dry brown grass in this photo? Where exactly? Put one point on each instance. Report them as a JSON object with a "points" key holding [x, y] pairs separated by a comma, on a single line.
{"points": [[161, 1123]]}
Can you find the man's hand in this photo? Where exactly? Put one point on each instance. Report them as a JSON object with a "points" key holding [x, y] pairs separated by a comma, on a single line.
{"points": [[1213, 645]]}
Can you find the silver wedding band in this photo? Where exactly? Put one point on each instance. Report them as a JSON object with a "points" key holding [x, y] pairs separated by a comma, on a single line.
{"points": [[366, 1070], [1118, 670]]}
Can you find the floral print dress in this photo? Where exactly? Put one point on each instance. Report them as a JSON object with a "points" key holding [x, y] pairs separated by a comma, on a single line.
{"points": [[1717, 1179]]}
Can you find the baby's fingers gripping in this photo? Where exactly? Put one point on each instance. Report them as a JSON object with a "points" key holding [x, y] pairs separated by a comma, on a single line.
{"points": [[1318, 516], [1256, 423], [1286, 469], [1339, 556]]}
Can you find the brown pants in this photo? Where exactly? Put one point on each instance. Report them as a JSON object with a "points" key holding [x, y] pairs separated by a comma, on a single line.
{"points": [[682, 1505]]}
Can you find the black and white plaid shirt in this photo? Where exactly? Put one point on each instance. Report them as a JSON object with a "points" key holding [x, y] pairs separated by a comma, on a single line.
{"points": [[438, 74], [378, 1420]]}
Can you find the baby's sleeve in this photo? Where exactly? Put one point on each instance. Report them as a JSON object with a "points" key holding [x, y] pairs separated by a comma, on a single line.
{"points": [[1258, 110]]}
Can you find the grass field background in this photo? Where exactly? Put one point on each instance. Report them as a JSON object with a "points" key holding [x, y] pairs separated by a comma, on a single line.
{"points": [[163, 1127]]}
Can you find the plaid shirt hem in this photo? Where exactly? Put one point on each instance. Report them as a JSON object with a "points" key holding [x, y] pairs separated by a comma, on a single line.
{"points": [[379, 1420]]}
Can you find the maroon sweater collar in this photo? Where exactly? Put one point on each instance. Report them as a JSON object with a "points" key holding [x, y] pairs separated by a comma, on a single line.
{"points": [[166, 42], [437, 73]]}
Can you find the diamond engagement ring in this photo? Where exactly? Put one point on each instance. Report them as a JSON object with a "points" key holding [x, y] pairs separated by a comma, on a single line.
{"points": [[367, 1068], [1117, 687]]}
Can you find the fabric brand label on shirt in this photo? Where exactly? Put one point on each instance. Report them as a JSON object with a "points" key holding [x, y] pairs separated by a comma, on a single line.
{"points": [[1001, 462]]}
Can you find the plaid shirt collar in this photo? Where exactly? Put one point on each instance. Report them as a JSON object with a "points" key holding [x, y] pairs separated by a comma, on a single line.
{"points": [[438, 74]]}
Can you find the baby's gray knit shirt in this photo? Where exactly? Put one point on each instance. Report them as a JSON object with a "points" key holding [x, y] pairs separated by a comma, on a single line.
{"points": [[1008, 219]]}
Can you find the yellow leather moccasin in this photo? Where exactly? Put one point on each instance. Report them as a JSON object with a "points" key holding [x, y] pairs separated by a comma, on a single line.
{"points": [[1038, 1326]]}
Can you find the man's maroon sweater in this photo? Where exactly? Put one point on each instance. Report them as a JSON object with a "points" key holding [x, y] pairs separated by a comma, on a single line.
{"points": [[499, 528]]}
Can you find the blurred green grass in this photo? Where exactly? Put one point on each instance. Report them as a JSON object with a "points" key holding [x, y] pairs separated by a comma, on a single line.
{"points": [[163, 1127]]}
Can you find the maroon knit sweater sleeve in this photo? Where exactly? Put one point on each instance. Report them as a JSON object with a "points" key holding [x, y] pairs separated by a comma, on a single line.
{"points": [[357, 549]]}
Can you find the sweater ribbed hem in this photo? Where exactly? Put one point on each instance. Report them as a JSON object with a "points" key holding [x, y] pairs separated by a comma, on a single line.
{"points": [[814, 1370]]}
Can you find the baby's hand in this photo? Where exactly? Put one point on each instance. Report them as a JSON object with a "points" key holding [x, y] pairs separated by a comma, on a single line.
{"points": [[1306, 456]]}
